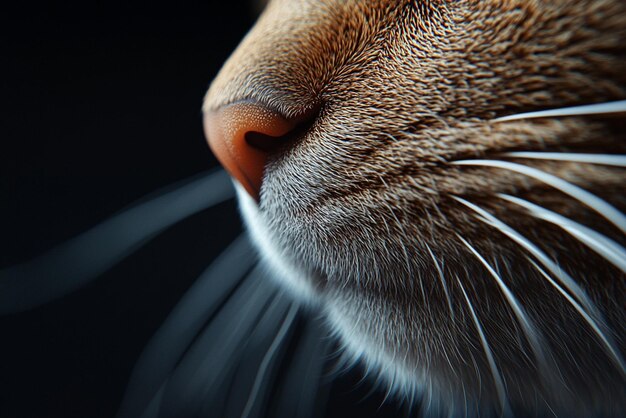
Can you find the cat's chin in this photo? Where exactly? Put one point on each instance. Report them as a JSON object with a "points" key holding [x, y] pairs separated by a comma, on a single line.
{"points": [[300, 283], [349, 321]]}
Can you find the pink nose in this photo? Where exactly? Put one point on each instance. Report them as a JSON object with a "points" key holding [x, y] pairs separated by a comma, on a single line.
{"points": [[243, 135]]}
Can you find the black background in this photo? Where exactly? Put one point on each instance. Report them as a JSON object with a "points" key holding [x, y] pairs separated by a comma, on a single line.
{"points": [[100, 105]]}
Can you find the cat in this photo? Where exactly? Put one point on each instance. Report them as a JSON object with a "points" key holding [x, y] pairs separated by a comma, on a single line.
{"points": [[442, 179]]}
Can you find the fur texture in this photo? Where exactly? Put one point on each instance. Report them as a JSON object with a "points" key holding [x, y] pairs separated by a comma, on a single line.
{"points": [[363, 210]]}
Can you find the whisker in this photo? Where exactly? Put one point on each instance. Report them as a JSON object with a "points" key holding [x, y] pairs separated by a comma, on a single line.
{"points": [[602, 207], [593, 109], [592, 314], [582, 312], [294, 399], [197, 382], [268, 359], [218, 284], [246, 365], [495, 373], [604, 246], [528, 326], [442, 279], [602, 159], [79, 260], [565, 278]]}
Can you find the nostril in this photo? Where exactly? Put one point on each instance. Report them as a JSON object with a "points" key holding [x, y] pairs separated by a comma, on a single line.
{"points": [[243, 135], [270, 144], [264, 142]]}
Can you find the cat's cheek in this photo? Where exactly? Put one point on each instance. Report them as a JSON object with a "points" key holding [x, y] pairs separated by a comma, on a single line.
{"points": [[288, 275]]}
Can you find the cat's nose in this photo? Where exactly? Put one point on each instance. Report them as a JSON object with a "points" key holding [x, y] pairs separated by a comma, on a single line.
{"points": [[243, 135]]}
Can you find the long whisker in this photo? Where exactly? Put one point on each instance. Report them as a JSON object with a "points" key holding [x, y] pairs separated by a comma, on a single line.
{"points": [[241, 378], [497, 378], [269, 357], [602, 159], [442, 279], [604, 246], [79, 260], [564, 278], [593, 109], [592, 313], [578, 308], [602, 207], [197, 382], [205, 298], [528, 326], [306, 365]]}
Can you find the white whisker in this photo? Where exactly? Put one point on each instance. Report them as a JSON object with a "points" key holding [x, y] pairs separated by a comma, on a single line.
{"points": [[592, 314], [604, 246], [442, 279], [593, 109], [527, 325], [497, 378], [565, 278], [582, 312], [602, 159], [279, 339], [602, 207], [79, 260]]}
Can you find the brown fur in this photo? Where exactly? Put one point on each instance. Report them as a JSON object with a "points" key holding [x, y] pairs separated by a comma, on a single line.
{"points": [[404, 88]]}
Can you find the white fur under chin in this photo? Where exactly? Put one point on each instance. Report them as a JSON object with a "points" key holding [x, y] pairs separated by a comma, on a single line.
{"points": [[386, 372], [276, 261]]}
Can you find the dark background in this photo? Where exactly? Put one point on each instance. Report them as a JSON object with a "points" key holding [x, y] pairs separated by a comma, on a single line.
{"points": [[100, 105]]}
